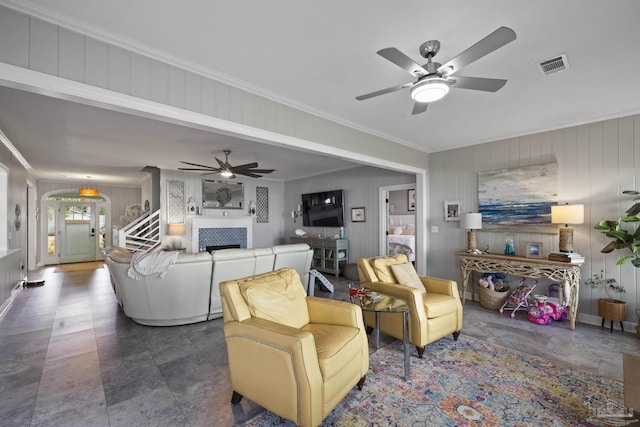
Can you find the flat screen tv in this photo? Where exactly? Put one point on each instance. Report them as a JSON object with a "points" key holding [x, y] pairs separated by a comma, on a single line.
{"points": [[323, 209]]}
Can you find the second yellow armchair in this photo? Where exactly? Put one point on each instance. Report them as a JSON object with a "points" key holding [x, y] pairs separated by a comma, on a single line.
{"points": [[435, 307]]}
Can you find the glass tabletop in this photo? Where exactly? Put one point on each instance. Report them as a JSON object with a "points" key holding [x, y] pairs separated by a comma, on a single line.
{"points": [[380, 302]]}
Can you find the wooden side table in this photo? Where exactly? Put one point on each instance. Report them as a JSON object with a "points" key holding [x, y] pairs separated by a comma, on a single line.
{"points": [[564, 273]]}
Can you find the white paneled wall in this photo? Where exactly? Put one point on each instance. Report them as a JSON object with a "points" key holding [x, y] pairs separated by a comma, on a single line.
{"points": [[361, 189], [596, 162], [121, 196], [14, 252], [264, 234]]}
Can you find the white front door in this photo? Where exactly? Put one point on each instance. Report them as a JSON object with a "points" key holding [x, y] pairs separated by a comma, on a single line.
{"points": [[77, 229]]}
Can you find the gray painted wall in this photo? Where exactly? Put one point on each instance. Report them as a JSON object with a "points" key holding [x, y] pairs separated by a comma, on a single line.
{"points": [[15, 257], [596, 162], [361, 189]]}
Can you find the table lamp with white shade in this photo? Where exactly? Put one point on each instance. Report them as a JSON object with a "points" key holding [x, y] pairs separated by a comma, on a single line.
{"points": [[472, 222], [176, 230], [567, 214]]}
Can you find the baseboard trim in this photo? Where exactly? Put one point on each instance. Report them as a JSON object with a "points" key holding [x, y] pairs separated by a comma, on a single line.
{"points": [[7, 303]]}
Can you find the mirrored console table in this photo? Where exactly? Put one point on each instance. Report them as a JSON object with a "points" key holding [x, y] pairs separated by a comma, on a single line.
{"points": [[564, 273]]}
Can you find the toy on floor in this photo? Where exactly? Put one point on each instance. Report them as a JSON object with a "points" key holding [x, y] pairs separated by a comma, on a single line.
{"points": [[519, 298], [493, 281], [545, 310]]}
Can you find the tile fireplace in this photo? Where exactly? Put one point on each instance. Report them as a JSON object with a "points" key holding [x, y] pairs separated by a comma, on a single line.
{"points": [[231, 232]]}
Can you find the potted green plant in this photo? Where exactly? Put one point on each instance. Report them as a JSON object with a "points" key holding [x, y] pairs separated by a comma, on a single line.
{"points": [[624, 238], [614, 310]]}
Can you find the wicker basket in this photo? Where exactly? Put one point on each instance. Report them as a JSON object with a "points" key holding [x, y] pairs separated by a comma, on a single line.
{"points": [[492, 300]]}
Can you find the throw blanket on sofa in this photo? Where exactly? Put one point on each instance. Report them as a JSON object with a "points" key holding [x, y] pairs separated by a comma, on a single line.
{"points": [[145, 264]]}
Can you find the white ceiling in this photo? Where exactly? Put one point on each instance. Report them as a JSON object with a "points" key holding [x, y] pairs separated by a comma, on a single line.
{"points": [[320, 55]]}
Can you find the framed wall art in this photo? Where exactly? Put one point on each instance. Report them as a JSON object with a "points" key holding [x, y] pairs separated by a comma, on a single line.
{"points": [[411, 200], [357, 215], [452, 210], [534, 249], [518, 199]]}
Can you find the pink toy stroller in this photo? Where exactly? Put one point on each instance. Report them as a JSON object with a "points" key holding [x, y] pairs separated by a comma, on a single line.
{"points": [[519, 298]]}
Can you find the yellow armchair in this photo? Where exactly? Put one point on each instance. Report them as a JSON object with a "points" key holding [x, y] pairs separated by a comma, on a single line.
{"points": [[313, 351], [435, 307]]}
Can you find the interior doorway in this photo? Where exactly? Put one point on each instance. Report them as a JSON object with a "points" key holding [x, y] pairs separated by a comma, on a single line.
{"points": [[398, 214]]}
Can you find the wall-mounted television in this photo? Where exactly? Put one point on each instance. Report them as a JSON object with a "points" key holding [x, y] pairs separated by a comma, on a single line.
{"points": [[323, 209]]}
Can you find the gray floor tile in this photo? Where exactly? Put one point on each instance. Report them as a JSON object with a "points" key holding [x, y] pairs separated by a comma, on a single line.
{"points": [[69, 356]]}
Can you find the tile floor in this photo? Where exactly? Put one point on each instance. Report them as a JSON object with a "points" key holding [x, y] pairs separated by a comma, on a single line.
{"points": [[69, 357]]}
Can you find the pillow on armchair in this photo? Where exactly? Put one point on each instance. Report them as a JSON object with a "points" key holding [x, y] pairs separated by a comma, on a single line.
{"points": [[281, 301], [382, 266], [407, 275]]}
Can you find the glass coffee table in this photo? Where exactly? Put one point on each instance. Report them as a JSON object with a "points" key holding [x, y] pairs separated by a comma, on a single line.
{"points": [[377, 303]]}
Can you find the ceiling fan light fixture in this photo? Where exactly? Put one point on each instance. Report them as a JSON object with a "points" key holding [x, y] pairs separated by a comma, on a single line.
{"points": [[226, 173], [430, 90]]}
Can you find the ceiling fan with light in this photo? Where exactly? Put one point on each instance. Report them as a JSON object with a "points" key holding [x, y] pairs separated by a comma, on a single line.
{"points": [[434, 79], [227, 170]]}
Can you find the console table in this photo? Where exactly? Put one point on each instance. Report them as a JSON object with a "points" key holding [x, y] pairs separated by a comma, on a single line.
{"points": [[329, 255], [565, 273]]}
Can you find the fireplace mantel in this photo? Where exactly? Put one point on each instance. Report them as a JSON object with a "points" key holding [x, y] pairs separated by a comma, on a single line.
{"points": [[199, 222]]}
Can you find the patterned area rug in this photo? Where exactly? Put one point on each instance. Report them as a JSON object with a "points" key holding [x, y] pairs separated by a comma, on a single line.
{"points": [[79, 266], [469, 383]]}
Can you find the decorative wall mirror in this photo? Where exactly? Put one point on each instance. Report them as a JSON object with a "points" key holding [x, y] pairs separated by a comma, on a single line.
{"points": [[222, 194]]}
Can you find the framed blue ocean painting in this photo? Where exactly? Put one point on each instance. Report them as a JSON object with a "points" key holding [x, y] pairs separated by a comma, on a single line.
{"points": [[519, 199]]}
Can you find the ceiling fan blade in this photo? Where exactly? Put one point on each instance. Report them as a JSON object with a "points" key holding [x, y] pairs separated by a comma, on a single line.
{"points": [[493, 41], [245, 166], [419, 107], [212, 170], [221, 163], [403, 61], [249, 174], [196, 164], [478, 83], [383, 91], [264, 171]]}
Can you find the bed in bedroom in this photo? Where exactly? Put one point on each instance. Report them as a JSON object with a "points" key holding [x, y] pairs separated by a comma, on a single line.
{"points": [[401, 238]]}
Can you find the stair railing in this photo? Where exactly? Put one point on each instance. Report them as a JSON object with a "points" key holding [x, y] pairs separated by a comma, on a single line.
{"points": [[143, 234]]}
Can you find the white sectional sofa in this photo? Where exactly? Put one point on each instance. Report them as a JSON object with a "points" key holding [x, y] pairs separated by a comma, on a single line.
{"points": [[189, 292]]}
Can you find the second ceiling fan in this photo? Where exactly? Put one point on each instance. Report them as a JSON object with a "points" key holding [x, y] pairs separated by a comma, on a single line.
{"points": [[227, 170], [434, 79]]}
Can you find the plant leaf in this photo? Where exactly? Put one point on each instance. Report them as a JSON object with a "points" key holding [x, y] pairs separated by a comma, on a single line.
{"points": [[609, 248], [636, 262], [606, 225], [631, 192], [622, 261], [633, 210], [621, 235]]}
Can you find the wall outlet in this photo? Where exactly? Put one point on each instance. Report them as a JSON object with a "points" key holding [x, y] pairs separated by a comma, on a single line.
{"points": [[434, 228]]}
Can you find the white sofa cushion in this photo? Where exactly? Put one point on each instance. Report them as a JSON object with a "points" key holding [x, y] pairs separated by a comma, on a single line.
{"points": [[228, 264], [297, 256]]}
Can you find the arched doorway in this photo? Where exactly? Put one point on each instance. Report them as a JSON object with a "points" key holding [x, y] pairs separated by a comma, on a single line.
{"points": [[74, 228]]}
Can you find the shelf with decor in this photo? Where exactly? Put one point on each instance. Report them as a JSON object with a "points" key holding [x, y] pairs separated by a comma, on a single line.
{"points": [[329, 255]]}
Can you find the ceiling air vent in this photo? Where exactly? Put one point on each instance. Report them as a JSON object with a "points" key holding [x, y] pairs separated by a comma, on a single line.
{"points": [[553, 65]]}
